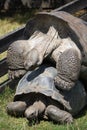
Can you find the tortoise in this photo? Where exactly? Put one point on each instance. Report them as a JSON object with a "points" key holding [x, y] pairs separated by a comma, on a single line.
{"points": [[38, 98], [55, 36]]}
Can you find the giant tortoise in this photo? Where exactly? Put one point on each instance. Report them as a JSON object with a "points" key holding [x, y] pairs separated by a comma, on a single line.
{"points": [[37, 97], [57, 36]]}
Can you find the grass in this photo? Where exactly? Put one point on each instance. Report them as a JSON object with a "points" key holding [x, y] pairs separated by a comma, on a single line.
{"points": [[7, 122], [11, 22]]}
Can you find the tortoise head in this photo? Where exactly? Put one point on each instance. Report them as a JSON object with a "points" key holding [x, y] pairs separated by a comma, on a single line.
{"points": [[31, 113], [36, 110]]}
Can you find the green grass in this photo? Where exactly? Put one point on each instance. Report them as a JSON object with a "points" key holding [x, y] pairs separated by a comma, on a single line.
{"points": [[7, 122], [10, 23]]}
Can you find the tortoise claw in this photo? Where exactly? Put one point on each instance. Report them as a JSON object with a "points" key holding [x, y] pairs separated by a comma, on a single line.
{"points": [[16, 73]]}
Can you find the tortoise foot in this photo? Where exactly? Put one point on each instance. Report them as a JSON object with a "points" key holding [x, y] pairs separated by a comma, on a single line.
{"points": [[16, 108]]}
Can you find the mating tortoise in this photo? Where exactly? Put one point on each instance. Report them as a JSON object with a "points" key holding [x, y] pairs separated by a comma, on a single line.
{"points": [[58, 36], [37, 97]]}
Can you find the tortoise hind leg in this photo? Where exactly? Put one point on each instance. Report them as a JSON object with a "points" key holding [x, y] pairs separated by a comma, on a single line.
{"points": [[68, 66], [57, 115], [16, 108]]}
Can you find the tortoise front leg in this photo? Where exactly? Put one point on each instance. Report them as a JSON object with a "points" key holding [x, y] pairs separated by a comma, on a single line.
{"points": [[68, 66], [57, 115], [16, 108]]}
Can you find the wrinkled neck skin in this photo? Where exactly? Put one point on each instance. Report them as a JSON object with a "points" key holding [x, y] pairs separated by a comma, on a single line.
{"points": [[45, 43], [52, 41], [41, 45]]}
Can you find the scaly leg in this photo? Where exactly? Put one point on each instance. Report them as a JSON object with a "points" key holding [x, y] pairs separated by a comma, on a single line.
{"points": [[57, 115], [16, 108], [68, 66]]}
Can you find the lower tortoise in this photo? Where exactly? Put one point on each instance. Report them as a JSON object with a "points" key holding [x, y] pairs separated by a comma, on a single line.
{"points": [[37, 97]]}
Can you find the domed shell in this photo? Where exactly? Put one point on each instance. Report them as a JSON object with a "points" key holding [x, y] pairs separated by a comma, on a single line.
{"points": [[41, 81]]}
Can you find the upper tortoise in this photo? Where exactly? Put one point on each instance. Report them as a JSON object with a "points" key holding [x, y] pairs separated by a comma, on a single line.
{"points": [[57, 36]]}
